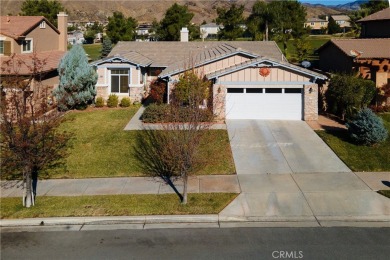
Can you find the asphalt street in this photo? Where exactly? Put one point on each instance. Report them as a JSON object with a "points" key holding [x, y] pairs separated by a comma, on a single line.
{"points": [[227, 243]]}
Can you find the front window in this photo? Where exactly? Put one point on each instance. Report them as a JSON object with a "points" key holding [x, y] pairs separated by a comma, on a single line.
{"points": [[27, 46], [312, 23], [120, 81], [1, 47]]}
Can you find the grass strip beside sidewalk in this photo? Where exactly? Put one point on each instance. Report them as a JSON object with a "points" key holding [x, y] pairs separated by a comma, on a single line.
{"points": [[116, 205]]}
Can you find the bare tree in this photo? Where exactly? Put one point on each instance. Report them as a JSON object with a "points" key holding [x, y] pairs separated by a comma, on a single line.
{"points": [[173, 151], [30, 139]]}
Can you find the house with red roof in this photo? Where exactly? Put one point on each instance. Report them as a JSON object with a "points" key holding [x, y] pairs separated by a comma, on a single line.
{"points": [[31, 38]]}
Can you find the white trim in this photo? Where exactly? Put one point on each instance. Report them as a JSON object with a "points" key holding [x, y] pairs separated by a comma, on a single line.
{"points": [[128, 85], [31, 46]]}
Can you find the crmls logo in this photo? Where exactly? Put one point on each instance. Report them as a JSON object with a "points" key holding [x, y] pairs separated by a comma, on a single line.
{"points": [[287, 254]]}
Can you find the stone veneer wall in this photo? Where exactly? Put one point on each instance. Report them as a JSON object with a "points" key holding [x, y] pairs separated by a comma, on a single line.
{"points": [[310, 103], [219, 101], [136, 93]]}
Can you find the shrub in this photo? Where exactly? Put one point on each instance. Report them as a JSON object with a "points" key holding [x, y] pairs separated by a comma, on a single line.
{"points": [[125, 102], [99, 102], [155, 113], [367, 128], [347, 94], [112, 100], [157, 91]]}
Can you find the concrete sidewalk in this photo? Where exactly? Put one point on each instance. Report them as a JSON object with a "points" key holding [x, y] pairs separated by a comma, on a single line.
{"points": [[129, 185]]}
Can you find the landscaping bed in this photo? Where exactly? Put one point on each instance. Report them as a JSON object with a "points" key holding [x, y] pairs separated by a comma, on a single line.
{"points": [[116, 205], [101, 148], [358, 157]]}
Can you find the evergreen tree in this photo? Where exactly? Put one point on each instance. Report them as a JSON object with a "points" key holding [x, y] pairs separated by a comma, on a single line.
{"points": [[106, 47], [333, 27], [176, 17], [374, 6], [48, 9], [77, 81], [120, 28], [231, 20], [367, 128]]}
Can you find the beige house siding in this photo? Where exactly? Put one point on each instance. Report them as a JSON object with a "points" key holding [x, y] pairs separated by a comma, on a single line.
{"points": [[103, 85], [253, 75], [43, 39], [316, 25]]}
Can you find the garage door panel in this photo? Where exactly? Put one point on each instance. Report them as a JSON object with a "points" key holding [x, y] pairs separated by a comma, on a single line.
{"points": [[264, 106]]}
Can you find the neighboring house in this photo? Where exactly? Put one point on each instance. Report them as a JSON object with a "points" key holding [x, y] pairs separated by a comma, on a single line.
{"points": [[209, 30], [76, 37], [27, 36], [368, 57], [376, 25], [343, 21], [144, 32], [317, 25], [251, 80]]}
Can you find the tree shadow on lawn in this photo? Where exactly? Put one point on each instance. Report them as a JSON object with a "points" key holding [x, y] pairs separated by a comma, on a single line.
{"points": [[339, 133]]}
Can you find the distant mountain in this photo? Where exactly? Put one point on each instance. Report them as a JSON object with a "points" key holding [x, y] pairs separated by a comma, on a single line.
{"points": [[351, 6]]}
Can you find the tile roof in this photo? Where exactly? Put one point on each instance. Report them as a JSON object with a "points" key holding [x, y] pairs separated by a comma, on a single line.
{"points": [[340, 17], [381, 15], [52, 59], [369, 48], [216, 52], [258, 60], [315, 20], [164, 54], [19, 26]]}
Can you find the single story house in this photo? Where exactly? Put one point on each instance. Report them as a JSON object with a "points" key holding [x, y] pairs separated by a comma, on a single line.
{"points": [[250, 80], [367, 57], [376, 25]]}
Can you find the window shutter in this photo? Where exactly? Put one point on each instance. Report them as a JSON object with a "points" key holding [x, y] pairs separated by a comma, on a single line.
{"points": [[7, 48]]}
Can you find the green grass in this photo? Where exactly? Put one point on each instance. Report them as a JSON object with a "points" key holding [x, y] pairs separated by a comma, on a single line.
{"points": [[93, 50], [358, 157], [101, 148], [116, 205], [385, 193]]}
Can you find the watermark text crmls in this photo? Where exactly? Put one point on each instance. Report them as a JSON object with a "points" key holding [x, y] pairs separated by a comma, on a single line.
{"points": [[281, 254]]}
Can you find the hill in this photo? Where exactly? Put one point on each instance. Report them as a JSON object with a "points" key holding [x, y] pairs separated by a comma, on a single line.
{"points": [[146, 11]]}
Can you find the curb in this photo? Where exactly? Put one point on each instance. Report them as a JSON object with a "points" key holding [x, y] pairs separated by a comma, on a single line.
{"points": [[184, 221]]}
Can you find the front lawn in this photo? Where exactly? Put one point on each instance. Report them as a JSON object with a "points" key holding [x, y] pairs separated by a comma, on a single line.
{"points": [[116, 205], [357, 157], [93, 50], [101, 148]]}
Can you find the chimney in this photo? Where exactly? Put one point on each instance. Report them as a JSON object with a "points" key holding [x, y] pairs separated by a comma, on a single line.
{"points": [[63, 28], [184, 34], [8, 19], [326, 18]]}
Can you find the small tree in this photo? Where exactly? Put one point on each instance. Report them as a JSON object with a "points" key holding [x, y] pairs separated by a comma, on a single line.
{"points": [[157, 91], [77, 81], [174, 151], [367, 128], [303, 49], [106, 47], [30, 139]]}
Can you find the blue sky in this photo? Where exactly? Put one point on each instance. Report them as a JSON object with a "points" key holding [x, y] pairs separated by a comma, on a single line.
{"points": [[326, 2]]}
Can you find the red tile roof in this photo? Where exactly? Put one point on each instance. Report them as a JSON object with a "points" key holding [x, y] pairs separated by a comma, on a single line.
{"points": [[369, 48], [19, 26], [20, 63], [381, 15]]}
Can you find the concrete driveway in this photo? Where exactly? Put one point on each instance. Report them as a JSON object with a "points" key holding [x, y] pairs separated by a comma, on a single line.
{"points": [[268, 146]]}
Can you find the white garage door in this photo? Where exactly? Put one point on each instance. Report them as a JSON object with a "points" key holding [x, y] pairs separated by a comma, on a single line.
{"points": [[264, 103]]}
